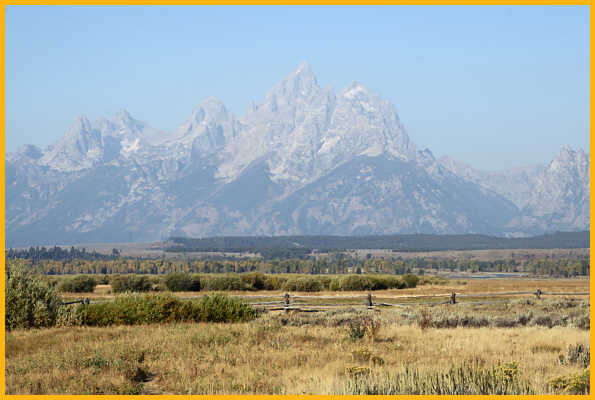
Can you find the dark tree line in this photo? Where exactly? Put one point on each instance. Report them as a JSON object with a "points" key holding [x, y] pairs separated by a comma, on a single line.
{"points": [[56, 253], [336, 264], [302, 246]]}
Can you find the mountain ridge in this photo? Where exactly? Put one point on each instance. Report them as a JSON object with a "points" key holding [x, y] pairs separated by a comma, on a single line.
{"points": [[305, 161]]}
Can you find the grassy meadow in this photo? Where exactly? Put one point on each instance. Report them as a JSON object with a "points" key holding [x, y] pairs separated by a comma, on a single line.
{"points": [[523, 346]]}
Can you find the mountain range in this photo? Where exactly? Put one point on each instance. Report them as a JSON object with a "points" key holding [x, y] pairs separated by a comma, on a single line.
{"points": [[305, 161]]}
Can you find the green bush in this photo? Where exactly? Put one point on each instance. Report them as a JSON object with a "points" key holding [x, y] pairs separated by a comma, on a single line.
{"points": [[31, 301], [180, 282], [365, 283], [303, 284], [136, 309], [382, 282], [354, 283], [223, 283], [253, 280], [272, 282], [130, 283], [219, 308], [578, 383], [77, 284], [411, 280]]}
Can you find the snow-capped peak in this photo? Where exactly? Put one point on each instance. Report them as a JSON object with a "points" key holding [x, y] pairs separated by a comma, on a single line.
{"points": [[300, 83]]}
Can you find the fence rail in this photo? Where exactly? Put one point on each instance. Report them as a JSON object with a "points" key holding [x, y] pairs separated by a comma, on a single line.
{"points": [[369, 302], [289, 302]]}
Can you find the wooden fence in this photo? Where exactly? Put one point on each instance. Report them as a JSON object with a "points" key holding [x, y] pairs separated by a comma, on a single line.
{"points": [[291, 302]]}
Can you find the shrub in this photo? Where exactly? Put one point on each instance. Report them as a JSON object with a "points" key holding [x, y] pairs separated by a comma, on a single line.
{"points": [[365, 282], [362, 326], [69, 315], [410, 280], [356, 329], [378, 282], [180, 282], [325, 281], [272, 282], [582, 322], [425, 319], [577, 354], [223, 283], [135, 309], [253, 280], [354, 283], [577, 383], [130, 283], [372, 327], [362, 354], [335, 284], [219, 308], [31, 301], [356, 371], [77, 284], [545, 348], [303, 284]]}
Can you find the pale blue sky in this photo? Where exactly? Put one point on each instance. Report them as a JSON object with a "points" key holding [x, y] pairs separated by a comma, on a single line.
{"points": [[491, 86]]}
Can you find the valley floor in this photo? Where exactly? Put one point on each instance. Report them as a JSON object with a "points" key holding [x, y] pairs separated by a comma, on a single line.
{"points": [[335, 352]]}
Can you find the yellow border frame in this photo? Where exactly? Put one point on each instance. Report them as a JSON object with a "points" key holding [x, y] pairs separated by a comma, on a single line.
{"points": [[244, 2]]}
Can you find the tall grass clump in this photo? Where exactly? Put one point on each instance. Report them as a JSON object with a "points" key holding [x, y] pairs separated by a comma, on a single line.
{"points": [[180, 282], [134, 309], [579, 354], [31, 300], [77, 284], [362, 326], [467, 378]]}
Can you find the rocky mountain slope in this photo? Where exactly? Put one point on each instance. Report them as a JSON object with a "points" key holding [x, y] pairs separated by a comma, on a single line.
{"points": [[306, 161]]}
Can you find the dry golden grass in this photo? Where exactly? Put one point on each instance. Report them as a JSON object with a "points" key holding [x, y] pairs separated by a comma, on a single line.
{"points": [[263, 356]]}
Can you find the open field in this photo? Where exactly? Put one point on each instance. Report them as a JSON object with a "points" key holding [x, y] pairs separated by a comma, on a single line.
{"points": [[509, 344], [284, 353]]}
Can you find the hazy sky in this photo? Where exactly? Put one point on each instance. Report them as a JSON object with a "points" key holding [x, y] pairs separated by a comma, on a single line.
{"points": [[492, 86]]}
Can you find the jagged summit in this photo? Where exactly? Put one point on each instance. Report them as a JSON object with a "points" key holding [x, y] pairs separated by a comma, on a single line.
{"points": [[80, 125], [303, 68], [299, 84], [123, 115]]}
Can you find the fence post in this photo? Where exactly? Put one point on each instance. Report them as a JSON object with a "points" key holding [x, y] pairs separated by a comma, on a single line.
{"points": [[286, 302], [453, 298], [538, 293], [369, 301]]}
